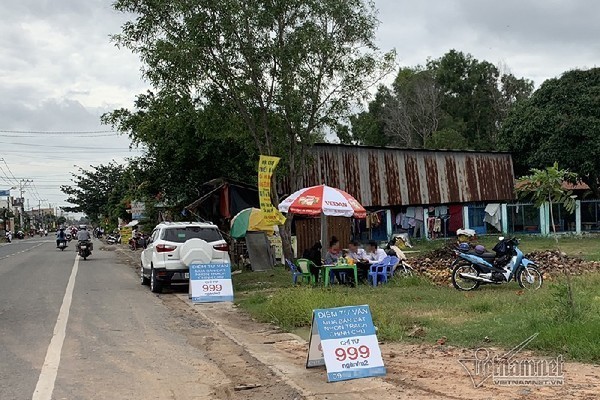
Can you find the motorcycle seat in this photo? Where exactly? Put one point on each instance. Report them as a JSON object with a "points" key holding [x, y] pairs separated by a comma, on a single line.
{"points": [[487, 256]]}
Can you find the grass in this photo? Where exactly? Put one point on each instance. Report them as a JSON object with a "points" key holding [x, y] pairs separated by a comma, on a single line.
{"points": [[500, 316]]}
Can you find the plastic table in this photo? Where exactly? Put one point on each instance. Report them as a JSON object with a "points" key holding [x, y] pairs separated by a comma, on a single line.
{"points": [[328, 268]]}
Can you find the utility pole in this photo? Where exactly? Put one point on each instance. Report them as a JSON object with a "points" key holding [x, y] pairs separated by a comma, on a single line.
{"points": [[22, 184], [40, 212]]}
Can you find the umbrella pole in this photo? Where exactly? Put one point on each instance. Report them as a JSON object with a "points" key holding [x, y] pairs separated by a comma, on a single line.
{"points": [[324, 239]]}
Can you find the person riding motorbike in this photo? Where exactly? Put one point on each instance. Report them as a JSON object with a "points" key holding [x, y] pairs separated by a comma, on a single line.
{"points": [[83, 235], [61, 236]]}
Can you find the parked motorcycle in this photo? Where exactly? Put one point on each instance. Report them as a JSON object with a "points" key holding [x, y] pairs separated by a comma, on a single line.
{"points": [[84, 248], [475, 267], [113, 239]]}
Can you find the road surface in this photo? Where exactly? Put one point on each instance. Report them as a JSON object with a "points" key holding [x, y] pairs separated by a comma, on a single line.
{"points": [[118, 340]]}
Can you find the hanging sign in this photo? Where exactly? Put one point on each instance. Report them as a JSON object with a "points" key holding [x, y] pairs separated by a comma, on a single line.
{"points": [[346, 343], [210, 283], [266, 166]]}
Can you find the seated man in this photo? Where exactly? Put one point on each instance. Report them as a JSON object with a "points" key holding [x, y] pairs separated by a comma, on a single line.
{"points": [[374, 253]]}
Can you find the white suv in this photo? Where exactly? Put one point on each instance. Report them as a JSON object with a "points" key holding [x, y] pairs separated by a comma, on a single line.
{"points": [[173, 246]]}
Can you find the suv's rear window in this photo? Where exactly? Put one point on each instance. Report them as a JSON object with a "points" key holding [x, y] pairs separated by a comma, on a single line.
{"points": [[180, 235]]}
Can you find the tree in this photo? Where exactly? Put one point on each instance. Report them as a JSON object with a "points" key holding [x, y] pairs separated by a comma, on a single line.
{"points": [[186, 144], [559, 123], [95, 190], [454, 96], [546, 185], [290, 69]]}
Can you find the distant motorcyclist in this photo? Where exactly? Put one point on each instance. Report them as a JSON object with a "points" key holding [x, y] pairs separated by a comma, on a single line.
{"points": [[61, 236], [83, 235]]}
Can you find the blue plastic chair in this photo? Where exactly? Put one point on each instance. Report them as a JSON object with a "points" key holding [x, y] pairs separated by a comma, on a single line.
{"points": [[390, 266], [379, 271]]}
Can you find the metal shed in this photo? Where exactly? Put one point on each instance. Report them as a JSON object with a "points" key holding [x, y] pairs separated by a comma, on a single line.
{"points": [[384, 176]]}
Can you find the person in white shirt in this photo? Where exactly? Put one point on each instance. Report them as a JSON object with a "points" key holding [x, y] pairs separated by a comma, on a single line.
{"points": [[374, 253], [355, 252]]}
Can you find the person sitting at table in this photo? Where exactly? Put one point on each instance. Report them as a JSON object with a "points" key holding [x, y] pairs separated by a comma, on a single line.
{"points": [[374, 253], [314, 254], [333, 253], [359, 256]]}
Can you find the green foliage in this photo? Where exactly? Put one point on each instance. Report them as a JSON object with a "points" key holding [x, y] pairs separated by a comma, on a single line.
{"points": [[95, 190], [186, 144], [547, 186], [560, 123], [288, 69], [454, 96]]}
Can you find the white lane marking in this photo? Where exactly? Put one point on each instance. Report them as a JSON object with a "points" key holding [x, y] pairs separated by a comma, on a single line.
{"points": [[20, 252], [45, 384]]}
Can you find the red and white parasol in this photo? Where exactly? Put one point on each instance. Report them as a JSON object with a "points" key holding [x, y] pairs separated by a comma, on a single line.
{"points": [[322, 199]]}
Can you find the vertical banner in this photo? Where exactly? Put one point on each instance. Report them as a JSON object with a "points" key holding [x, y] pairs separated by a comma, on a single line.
{"points": [[266, 166], [126, 232], [347, 338], [210, 283]]}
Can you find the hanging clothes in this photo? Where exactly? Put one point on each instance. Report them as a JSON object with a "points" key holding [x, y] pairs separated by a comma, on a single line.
{"points": [[492, 216]]}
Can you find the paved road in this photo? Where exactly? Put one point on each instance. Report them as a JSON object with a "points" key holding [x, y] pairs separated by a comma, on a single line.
{"points": [[117, 344]]}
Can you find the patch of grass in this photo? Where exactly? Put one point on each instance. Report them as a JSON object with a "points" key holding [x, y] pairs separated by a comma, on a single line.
{"points": [[584, 246], [501, 315]]}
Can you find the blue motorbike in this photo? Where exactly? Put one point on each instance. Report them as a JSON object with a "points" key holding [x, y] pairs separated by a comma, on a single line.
{"points": [[475, 267]]}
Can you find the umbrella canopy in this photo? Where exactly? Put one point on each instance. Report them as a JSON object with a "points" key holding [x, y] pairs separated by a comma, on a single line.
{"points": [[322, 199], [249, 219]]}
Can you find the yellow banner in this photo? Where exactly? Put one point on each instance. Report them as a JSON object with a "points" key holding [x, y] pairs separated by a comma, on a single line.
{"points": [[126, 232], [266, 166]]}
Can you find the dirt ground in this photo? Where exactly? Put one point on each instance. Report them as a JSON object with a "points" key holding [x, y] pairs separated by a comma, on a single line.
{"points": [[261, 362]]}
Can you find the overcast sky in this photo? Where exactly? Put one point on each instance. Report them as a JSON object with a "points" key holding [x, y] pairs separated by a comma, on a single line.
{"points": [[60, 72]]}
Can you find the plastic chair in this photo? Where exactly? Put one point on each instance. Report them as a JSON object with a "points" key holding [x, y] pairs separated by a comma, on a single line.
{"points": [[304, 265], [295, 272], [392, 262], [379, 270]]}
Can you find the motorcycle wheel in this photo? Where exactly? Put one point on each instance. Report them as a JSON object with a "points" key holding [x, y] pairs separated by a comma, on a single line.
{"points": [[529, 278], [461, 283]]}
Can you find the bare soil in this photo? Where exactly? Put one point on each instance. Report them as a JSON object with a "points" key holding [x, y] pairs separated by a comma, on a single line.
{"points": [[261, 362]]}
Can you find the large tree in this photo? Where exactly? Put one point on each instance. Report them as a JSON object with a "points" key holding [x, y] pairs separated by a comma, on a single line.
{"points": [[95, 190], [559, 123], [455, 100], [289, 68], [186, 144]]}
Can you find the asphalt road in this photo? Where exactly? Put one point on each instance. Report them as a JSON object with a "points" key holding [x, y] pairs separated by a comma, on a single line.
{"points": [[117, 343]]}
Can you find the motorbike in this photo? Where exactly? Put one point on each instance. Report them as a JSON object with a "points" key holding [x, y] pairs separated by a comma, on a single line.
{"points": [[84, 248], [8, 237], [475, 267], [113, 239], [62, 245], [20, 235], [68, 236]]}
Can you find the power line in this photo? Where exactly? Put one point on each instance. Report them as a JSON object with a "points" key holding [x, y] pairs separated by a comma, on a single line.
{"points": [[11, 173], [33, 136], [59, 132], [67, 147]]}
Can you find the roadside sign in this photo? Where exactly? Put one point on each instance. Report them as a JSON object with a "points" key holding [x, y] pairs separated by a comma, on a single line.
{"points": [[349, 343], [126, 233], [210, 283]]}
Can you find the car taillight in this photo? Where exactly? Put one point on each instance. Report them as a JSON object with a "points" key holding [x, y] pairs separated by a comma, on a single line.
{"points": [[164, 248], [221, 247]]}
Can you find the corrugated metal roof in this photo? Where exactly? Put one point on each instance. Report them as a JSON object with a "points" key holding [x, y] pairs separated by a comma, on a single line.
{"points": [[381, 176]]}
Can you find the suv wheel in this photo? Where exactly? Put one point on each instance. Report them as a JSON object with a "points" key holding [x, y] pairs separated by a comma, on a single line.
{"points": [[145, 281], [155, 285]]}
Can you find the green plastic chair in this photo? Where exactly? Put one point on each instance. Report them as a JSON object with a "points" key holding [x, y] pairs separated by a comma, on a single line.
{"points": [[304, 267]]}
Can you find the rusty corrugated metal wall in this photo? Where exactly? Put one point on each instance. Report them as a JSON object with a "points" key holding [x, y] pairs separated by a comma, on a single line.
{"points": [[308, 231], [388, 176]]}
